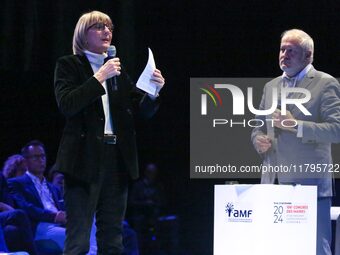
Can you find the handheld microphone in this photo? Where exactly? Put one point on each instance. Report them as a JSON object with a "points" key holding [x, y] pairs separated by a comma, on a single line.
{"points": [[111, 53]]}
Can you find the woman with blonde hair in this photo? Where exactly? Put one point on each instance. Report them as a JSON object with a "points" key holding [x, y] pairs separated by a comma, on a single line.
{"points": [[97, 152]]}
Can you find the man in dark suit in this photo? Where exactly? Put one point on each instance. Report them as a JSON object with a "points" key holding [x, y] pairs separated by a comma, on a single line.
{"points": [[309, 142], [97, 152], [38, 198]]}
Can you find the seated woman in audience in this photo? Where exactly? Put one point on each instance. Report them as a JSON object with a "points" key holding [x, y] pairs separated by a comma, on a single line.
{"points": [[14, 166]]}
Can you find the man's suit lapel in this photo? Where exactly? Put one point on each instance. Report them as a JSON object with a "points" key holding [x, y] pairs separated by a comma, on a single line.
{"points": [[306, 82], [30, 186]]}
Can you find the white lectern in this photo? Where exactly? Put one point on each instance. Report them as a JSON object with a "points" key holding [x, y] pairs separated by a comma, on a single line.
{"points": [[265, 219]]}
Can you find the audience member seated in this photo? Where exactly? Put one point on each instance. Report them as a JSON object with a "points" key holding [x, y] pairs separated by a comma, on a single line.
{"points": [[14, 166], [39, 198], [15, 224], [56, 178], [146, 199], [3, 247], [146, 202]]}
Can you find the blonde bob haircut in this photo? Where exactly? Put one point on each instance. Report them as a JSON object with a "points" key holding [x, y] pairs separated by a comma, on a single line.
{"points": [[83, 24]]}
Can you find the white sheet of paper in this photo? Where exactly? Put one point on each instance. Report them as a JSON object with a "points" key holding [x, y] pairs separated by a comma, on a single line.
{"points": [[144, 82]]}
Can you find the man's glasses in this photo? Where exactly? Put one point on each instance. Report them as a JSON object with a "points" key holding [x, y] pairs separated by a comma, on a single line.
{"points": [[100, 26]]}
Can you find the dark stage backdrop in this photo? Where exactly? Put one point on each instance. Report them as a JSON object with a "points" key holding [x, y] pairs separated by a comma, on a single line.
{"points": [[189, 39]]}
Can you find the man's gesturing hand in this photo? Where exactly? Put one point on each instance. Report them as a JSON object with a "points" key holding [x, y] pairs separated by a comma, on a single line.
{"points": [[262, 143]]}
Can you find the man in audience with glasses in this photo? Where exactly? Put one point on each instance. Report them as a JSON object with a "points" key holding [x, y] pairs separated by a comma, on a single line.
{"points": [[39, 198]]}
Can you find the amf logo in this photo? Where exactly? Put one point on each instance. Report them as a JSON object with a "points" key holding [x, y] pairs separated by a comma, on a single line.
{"points": [[238, 215]]}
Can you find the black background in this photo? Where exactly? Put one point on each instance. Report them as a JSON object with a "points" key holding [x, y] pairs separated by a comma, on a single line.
{"points": [[189, 39]]}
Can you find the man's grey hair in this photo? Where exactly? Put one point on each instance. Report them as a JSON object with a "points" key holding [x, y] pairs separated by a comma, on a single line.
{"points": [[304, 39]]}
